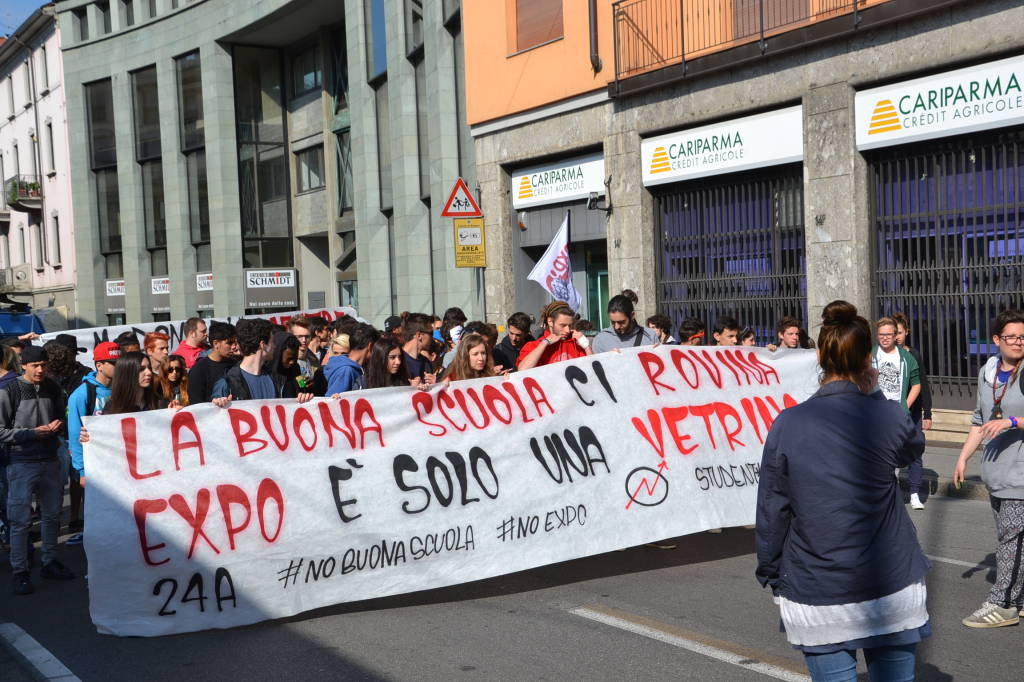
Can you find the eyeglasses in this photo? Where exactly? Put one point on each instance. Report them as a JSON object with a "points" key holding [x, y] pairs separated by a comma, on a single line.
{"points": [[179, 370], [1011, 338]]}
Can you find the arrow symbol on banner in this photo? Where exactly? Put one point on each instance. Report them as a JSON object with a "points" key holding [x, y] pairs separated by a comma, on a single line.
{"points": [[646, 485]]}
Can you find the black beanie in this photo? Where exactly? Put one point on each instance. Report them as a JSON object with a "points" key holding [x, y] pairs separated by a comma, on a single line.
{"points": [[33, 354]]}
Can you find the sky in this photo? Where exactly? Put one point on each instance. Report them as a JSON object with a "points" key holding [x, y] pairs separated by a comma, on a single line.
{"points": [[14, 12]]}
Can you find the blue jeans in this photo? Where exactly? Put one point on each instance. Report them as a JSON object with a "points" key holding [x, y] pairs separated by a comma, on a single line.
{"points": [[24, 479], [885, 664], [3, 494]]}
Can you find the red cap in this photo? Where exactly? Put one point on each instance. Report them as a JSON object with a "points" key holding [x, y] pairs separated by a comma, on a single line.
{"points": [[108, 351]]}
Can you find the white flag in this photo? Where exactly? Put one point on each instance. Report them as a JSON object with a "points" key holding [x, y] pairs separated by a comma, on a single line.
{"points": [[554, 272]]}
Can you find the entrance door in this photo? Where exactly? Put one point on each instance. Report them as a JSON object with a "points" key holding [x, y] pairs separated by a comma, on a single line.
{"points": [[949, 249]]}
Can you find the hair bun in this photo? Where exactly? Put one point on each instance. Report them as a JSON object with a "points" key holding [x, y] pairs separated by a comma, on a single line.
{"points": [[631, 295], [839, 312]]}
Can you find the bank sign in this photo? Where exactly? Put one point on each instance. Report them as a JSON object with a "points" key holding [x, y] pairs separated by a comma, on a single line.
{"points": [[962, 101], [756, 141], [556, 182]]}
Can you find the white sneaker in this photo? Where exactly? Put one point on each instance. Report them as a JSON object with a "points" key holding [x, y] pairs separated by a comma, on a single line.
{"points": [[915, 502]]}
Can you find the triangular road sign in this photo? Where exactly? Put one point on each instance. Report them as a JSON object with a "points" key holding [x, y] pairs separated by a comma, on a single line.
{"points": [[460, 203]]}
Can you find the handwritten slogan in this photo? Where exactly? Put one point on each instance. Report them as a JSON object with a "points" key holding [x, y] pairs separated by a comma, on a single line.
{"points": [[213, 518]]}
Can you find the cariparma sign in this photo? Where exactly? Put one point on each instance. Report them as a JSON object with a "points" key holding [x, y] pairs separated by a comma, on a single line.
{"points": [[755, 141], [962, 101], [552, 183]]}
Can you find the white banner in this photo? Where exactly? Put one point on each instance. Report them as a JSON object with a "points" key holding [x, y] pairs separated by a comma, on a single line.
{"points": [[554, 271], [962, 101], [728, 147], [89, 338], [211, 518]]}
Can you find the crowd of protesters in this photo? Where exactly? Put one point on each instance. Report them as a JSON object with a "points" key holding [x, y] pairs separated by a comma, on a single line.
{"points": [[45, 394]]}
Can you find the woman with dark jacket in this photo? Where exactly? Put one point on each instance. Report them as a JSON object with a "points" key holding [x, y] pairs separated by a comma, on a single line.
{"points": [[834, 541]]}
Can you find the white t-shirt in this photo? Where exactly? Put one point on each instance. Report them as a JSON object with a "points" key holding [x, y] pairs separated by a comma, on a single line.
{"points": [[890, 374]]}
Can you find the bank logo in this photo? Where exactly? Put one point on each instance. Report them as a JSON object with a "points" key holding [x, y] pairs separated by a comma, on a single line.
{"points": [[884, 119], [525, 188], [660, 162]]}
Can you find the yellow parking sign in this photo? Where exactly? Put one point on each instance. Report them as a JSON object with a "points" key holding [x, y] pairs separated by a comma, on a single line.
{"points": [[470, 244]]}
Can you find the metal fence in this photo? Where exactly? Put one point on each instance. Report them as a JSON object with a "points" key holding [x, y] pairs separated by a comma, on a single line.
{"points": [[650, 34], [734, 246], [950, 249]]}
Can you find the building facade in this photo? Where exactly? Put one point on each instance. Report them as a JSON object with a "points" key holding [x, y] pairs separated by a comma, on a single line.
{"points": [[265, 155], [762, 159], [37, 234]]}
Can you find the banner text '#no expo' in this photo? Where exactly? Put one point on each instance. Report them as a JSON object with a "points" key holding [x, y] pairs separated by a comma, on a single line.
{"points": [[215, 518]]}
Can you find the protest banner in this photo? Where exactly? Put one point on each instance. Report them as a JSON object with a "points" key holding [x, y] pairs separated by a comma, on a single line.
{"points": [[89, 337], [213, 518]]}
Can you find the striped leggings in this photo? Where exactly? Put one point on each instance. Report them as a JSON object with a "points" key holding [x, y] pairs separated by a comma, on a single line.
{"points": [[1008, 590]]}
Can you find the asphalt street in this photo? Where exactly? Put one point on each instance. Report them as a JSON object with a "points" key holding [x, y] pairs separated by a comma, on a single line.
{"points": [[691, 613]]}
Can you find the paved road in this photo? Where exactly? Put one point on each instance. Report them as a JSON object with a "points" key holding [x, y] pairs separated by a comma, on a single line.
{"points": [[530, 625]]}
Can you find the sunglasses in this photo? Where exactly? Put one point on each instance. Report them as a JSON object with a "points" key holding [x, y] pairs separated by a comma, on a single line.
{"points": [[175, 369]]}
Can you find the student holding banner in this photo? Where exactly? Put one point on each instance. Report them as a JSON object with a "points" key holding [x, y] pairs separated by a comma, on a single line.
{"points": [[472, 360], [845, 566], [559, 342]]}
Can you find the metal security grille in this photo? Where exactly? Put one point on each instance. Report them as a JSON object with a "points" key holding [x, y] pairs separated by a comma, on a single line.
{"points": [[733, 246], [949, 248]]}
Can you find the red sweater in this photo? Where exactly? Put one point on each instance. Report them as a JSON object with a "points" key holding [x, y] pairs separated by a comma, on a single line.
{"points": [[190, 353]]}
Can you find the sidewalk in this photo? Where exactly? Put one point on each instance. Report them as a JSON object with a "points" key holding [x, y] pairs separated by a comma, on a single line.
{"points": [[939, 462]]}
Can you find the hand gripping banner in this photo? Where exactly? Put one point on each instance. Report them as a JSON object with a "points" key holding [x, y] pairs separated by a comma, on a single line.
{"points": [[213, 518]]}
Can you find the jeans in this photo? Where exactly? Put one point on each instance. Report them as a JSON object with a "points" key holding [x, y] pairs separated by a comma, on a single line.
{"points": [[915, 472], [24, 479], [885, 664]]}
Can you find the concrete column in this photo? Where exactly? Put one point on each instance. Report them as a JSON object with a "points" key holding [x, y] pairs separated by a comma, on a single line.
{"points": [[222, 180], [499, 221], [631, 257], [180, 262], [836, 204]]}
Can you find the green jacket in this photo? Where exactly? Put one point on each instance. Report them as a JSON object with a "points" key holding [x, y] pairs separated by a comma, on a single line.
{"points": [[910, 373]]}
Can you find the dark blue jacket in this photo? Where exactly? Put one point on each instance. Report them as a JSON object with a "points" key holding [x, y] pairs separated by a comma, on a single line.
{"points": [[831, 525]]}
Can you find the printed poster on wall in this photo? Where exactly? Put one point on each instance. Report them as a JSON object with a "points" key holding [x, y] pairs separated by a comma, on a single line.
{"points": [[759, 141], [214, 518]]}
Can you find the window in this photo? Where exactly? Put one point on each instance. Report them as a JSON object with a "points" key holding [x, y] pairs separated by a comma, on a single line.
{"points": [[128, 12], [339, 68], [450, 9], [100, 105], [383, 146], [190, 100], [147, 114], [307, 73], [17, 159], [103, 157], [51, 153], [80, 20], [44, 69], [537, 22], [262, 162], [28, 83], [53, 251], [422, 134], [37, 246], [22, 244], [376, 39], [5, 250], [309, 166], [103, 9], [198, 199], [343, 153], [148, 153], [413, 25], [152, 9], [10, 96], [191, 129]]}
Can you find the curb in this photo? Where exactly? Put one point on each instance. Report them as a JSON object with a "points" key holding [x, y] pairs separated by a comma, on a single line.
{"points": [[36, 661]]}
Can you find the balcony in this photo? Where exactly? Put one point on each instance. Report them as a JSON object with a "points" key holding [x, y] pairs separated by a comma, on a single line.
{"points": [[24, 193], [658, 42]]}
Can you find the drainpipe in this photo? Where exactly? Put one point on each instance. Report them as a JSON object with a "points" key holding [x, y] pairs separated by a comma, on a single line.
{"points": [[595, 57]]}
